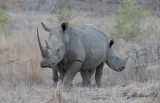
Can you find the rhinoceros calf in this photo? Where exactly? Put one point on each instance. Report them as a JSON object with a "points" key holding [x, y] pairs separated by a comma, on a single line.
{"points": [[80, 48]]}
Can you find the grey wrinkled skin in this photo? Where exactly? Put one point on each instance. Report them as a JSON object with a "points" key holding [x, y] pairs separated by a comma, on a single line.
{"points": [[81, 48], [113, 60]]}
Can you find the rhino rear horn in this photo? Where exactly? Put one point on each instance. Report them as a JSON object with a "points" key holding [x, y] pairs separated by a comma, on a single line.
{"points": [[64, 26], [126, 58], [46, 28], [47, 45]]}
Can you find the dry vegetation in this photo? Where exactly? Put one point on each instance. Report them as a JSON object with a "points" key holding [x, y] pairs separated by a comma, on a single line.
{"points": [[23, 80]]}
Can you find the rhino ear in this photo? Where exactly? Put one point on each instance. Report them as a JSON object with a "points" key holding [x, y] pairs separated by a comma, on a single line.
{"points": [[64, 26], [111, 42], [46, 28]]}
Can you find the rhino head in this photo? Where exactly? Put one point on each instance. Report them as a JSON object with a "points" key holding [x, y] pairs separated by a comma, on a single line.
{"points": [[54, 51], [113, 60]]}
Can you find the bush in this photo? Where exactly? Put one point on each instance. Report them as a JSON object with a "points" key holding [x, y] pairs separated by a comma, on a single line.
{"points": [[64, 11], [4, 17], [65, 14], [127, 23]]}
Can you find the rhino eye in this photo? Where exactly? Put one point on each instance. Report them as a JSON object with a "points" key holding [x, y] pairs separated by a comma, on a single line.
{"points": [[116, 58], [58, 50]]}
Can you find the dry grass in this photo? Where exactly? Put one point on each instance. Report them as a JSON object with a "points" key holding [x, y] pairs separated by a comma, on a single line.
{"points": [[22, 79]]}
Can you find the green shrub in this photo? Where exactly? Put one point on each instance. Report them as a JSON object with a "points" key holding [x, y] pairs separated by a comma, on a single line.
{"points": [[65, 14], [64, 11], [4, 17], [128, 21]]}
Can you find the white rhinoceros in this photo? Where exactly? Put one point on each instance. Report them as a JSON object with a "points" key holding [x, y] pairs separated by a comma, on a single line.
{"points": [[82, 48]]}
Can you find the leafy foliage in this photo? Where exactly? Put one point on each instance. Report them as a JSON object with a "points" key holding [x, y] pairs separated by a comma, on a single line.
{"points": [[127, 23], [65, 14], [64, 11], [4, 17]]}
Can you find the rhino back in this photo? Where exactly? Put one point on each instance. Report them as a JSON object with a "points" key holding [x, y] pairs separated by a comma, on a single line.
{"points": [[95, 44], [87, 45]]}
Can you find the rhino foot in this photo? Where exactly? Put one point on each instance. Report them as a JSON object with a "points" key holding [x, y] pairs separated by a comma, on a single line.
{"points": [[67, 88], [54, 84], [98, 75], [86, 83], [55, 80], [55, 77]]}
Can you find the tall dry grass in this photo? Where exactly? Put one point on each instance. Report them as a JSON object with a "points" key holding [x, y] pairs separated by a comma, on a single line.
{"points": [[20, 55]]}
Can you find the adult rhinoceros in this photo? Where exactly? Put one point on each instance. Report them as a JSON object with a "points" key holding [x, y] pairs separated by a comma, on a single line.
{"points": [[80, 48]]}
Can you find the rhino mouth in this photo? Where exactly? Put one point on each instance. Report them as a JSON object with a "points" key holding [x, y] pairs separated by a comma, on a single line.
{"points": [[47, 66], [120, 69], [51, 65]]}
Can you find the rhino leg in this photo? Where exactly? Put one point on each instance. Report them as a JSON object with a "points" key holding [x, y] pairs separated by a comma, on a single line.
{"points": [[91, 73], [87, 77], [98, 75], [72, 71], [61, 72], [55, 76]]}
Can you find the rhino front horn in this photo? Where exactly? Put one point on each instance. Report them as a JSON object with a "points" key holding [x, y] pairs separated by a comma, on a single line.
{"points": [[40, 45]]}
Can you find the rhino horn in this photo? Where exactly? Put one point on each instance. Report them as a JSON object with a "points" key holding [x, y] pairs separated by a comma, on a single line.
{"points": [[47, 46], [126, 58], [40, 45], [46, 28]]}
